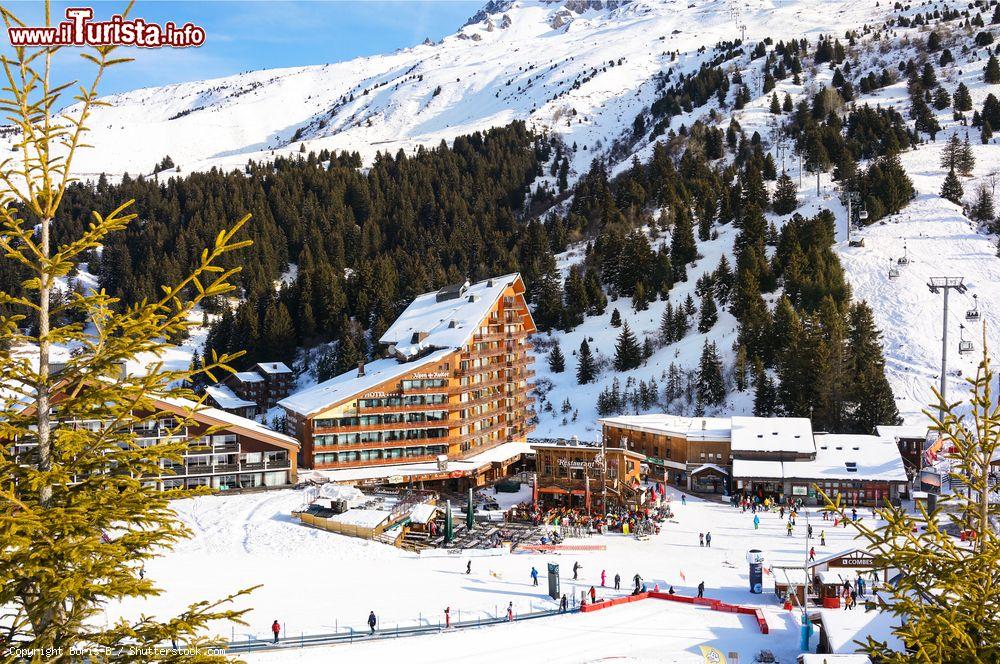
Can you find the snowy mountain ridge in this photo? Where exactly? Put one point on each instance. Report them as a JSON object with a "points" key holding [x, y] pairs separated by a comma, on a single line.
{"points": [[579, 69]]}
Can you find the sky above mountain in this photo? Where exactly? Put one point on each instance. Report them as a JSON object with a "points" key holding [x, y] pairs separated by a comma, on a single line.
{"points": [[244, 36]]}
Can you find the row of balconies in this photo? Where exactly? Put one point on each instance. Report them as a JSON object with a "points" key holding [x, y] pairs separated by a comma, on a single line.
{"points": [[181, 469]]}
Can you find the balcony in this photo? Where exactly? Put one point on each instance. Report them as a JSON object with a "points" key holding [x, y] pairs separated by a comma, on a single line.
{"points": [[410, 442], [393, 426], [376, 462]]}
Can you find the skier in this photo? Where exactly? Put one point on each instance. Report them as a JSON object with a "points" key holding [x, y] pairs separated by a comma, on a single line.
{"points": [[701, 539], [142, 572], [809, 531], [593, 595], [756, 522], [468, 567], [812, 553], [563, 604], [603, 577], [276, 630], [576, 570], [708, 540], [854, 514], [781, 512], [822, 538], [372, 621], [683, 499], [701, 589], [534, 576], [788, 528], [510, 612], [618, 581], [447, 616], [861, 586]]}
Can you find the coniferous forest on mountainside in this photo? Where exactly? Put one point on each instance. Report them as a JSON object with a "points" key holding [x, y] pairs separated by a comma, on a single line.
{"points": [[365, 241]]}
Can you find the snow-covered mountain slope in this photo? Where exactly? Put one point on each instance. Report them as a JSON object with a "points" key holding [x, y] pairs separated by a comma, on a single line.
{"points": [[580, 69]]}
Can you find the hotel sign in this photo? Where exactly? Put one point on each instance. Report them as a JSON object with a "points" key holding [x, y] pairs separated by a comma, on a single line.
{"points": [[430, 374]]}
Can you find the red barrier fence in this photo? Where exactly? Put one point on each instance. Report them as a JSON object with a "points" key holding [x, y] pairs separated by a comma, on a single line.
{"points": [[713, 604], [561, 547]]}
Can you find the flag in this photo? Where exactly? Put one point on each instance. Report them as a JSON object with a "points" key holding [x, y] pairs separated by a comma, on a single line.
{"points": [[712, 655]]}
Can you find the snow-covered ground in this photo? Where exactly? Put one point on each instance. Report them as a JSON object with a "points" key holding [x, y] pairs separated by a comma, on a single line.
{"points": [[583, 73], [315, 581], [648, 631]]}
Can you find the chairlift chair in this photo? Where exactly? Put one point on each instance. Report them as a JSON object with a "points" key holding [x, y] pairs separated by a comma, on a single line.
{"points": [[903, 260], [963, 345], [893, 270], [973, 313], [862, 215]]}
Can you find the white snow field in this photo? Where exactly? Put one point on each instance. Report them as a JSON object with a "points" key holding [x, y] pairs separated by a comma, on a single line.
{"points": [[554, 67], [646, 631], [316, 582]]}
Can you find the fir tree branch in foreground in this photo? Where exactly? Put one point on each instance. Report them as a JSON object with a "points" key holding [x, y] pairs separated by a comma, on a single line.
{"points": [[77, 520], [947, 597]]}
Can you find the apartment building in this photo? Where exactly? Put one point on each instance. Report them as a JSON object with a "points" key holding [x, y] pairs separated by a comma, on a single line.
{"points": [[455, 384]]}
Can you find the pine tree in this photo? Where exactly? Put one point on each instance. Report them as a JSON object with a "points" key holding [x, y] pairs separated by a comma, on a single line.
{"points": [[962, 99], [326, 364], [667, 332], [348, 355], [951, 152], [765, 400], [741, 370], [966, 158], [991, 74], [616, 318], [709, 313], [983, 209], [711, 390], [871, 398], [557, 362], [786, 105], [586, 369], [785, 195], [775, 104], [70, 548], [628, 355], [952, 188], [946, 604]]}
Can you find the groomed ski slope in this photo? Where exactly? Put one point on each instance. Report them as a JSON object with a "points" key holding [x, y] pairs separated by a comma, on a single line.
{"points": [[640, 632], [316, 582]]}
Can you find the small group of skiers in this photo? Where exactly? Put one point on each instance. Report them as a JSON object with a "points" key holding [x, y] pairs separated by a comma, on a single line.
{"points": [[705, 539]]}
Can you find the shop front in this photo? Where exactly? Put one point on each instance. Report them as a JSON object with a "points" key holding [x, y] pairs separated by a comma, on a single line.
{"points": [[709, 478]]}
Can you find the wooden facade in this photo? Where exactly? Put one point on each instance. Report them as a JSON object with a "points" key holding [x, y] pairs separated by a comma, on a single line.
{"points": [[672, 457], [467, 400], [577, 476]]}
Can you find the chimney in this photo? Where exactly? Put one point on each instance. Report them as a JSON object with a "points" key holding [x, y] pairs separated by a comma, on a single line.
{"points": [[703, 425], [361, 368]]}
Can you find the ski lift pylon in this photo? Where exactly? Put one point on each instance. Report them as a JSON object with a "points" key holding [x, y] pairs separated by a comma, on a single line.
{"points": [[973, 313]]}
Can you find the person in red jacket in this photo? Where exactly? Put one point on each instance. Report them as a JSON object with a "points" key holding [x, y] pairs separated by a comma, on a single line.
{"points": [[276, 630], [593, 595]]}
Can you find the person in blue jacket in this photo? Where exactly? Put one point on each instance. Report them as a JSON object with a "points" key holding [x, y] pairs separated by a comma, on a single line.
{"points": [[534, 576]]}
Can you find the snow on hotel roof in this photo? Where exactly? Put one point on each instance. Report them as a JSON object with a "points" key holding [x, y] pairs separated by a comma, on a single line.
{"points": [[226, 398], [873, 459], [445, 318], [273, 367], [714, 428], [772, 434], [338, 388]]}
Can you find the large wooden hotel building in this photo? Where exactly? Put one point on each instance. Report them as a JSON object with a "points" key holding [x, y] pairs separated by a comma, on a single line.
{"points": [[454, 385]]}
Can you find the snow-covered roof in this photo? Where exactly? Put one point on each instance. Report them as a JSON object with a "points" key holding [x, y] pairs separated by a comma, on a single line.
{"points": [[273, 367], [337, 389], [219, 417], [851, 456], [692, 428], [499, 453], [226, 398], [914, 431], [757, 468], [840, 554], [709, 466], [362, 517], [844, 628], [445, 318], [423, 513], [249, 376], [772, 434]]}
